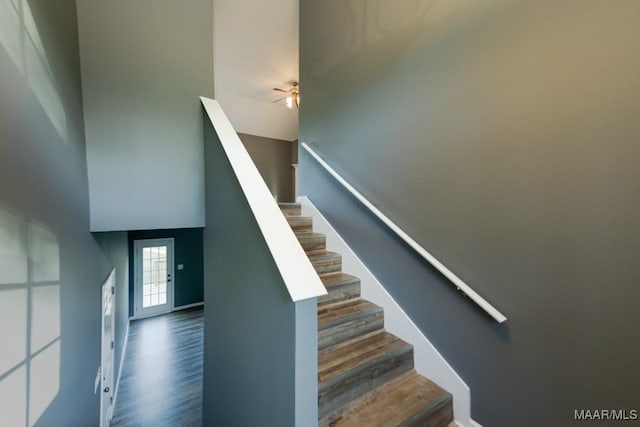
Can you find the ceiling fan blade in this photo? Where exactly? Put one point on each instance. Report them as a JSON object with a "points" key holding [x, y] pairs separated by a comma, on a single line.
{"points": [[280, 90], [279, 99]]}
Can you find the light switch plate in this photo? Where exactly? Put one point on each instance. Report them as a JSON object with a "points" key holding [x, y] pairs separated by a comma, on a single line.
{"points": [[180, 266]]}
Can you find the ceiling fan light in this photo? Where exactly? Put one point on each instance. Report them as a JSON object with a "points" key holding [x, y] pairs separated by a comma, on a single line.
{"points": [[290, 101]]}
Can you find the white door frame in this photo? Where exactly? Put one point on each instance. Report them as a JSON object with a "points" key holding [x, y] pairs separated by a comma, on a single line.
{"points": [[107, 358], [138, 311]]}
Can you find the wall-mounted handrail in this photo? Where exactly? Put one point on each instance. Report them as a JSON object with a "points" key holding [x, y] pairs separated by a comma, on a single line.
{"points": [[299, 276], [462, 286]]}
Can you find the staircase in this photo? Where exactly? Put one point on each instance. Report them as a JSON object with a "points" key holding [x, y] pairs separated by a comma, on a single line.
{"points": [[365, 375]]}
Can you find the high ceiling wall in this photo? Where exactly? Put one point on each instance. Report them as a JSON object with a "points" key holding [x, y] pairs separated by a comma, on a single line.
{"points": [[144, 66]]}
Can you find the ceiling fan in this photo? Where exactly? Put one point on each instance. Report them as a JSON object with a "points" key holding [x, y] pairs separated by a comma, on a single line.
{"points": [[292, 96]]}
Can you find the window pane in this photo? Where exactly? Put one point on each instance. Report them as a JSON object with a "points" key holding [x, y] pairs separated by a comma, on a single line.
{"points": [[163, 298], [146, 289], [146, 302], [154, 299]]}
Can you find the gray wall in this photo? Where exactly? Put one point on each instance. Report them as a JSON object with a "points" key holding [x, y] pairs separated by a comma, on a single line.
{"points": [[273, 158], [51, 268], [144, 66], [115, 246], [250, 321], [503, 137]]}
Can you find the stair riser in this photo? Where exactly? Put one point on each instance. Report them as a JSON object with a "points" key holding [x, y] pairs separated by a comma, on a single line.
{"points": [[328, 266], [340, 293], [355, 383], [337, 334], [313, 243], [300, 225], [291, 210], [439, 414]]}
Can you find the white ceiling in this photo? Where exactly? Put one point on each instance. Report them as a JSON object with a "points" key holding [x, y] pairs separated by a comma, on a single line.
{"points": [[255, 50]]}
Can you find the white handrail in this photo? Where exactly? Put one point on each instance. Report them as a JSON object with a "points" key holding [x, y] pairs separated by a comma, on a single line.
{"points": [[490, 309], [298, 274]]}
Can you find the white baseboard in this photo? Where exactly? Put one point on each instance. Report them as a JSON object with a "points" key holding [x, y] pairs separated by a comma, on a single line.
{"points": [[122, 355], [184, 307], [471, 423], [428, 361], [181, 307]]}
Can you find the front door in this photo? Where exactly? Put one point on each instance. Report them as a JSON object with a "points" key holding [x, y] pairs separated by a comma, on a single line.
{"points": [[153, 271], [106, 363]]}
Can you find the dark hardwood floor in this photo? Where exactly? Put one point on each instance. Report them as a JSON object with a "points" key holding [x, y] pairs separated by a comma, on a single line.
{"points": [[161, 383]]}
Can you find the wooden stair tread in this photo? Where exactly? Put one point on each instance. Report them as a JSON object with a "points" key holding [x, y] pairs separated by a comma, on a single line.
{"points": [[338, 279], [340, 287], [308, 235], [290, 209], [312, 242], [300, 224], [409, 398], [333, 364], [343, 311], [325, 262], [299, 218], [323, 255]]}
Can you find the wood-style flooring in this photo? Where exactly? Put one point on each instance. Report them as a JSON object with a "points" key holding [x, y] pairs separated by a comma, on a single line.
{"points": [[161, 383]]}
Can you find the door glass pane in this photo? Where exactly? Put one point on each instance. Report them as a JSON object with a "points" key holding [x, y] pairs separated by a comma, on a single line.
{"points": [[154, 276]]}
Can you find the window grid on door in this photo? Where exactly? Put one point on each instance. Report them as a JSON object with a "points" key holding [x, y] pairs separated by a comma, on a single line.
{"points": [[154, 276]]}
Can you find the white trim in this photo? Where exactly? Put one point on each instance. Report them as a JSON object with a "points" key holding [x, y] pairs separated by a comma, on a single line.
{"points": [[107, 380], [124, 352], [187, 306], [138, 311], [173, 310], [471, 423], [428, 361], [295, 180], [298, 274], [466, 289]]}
